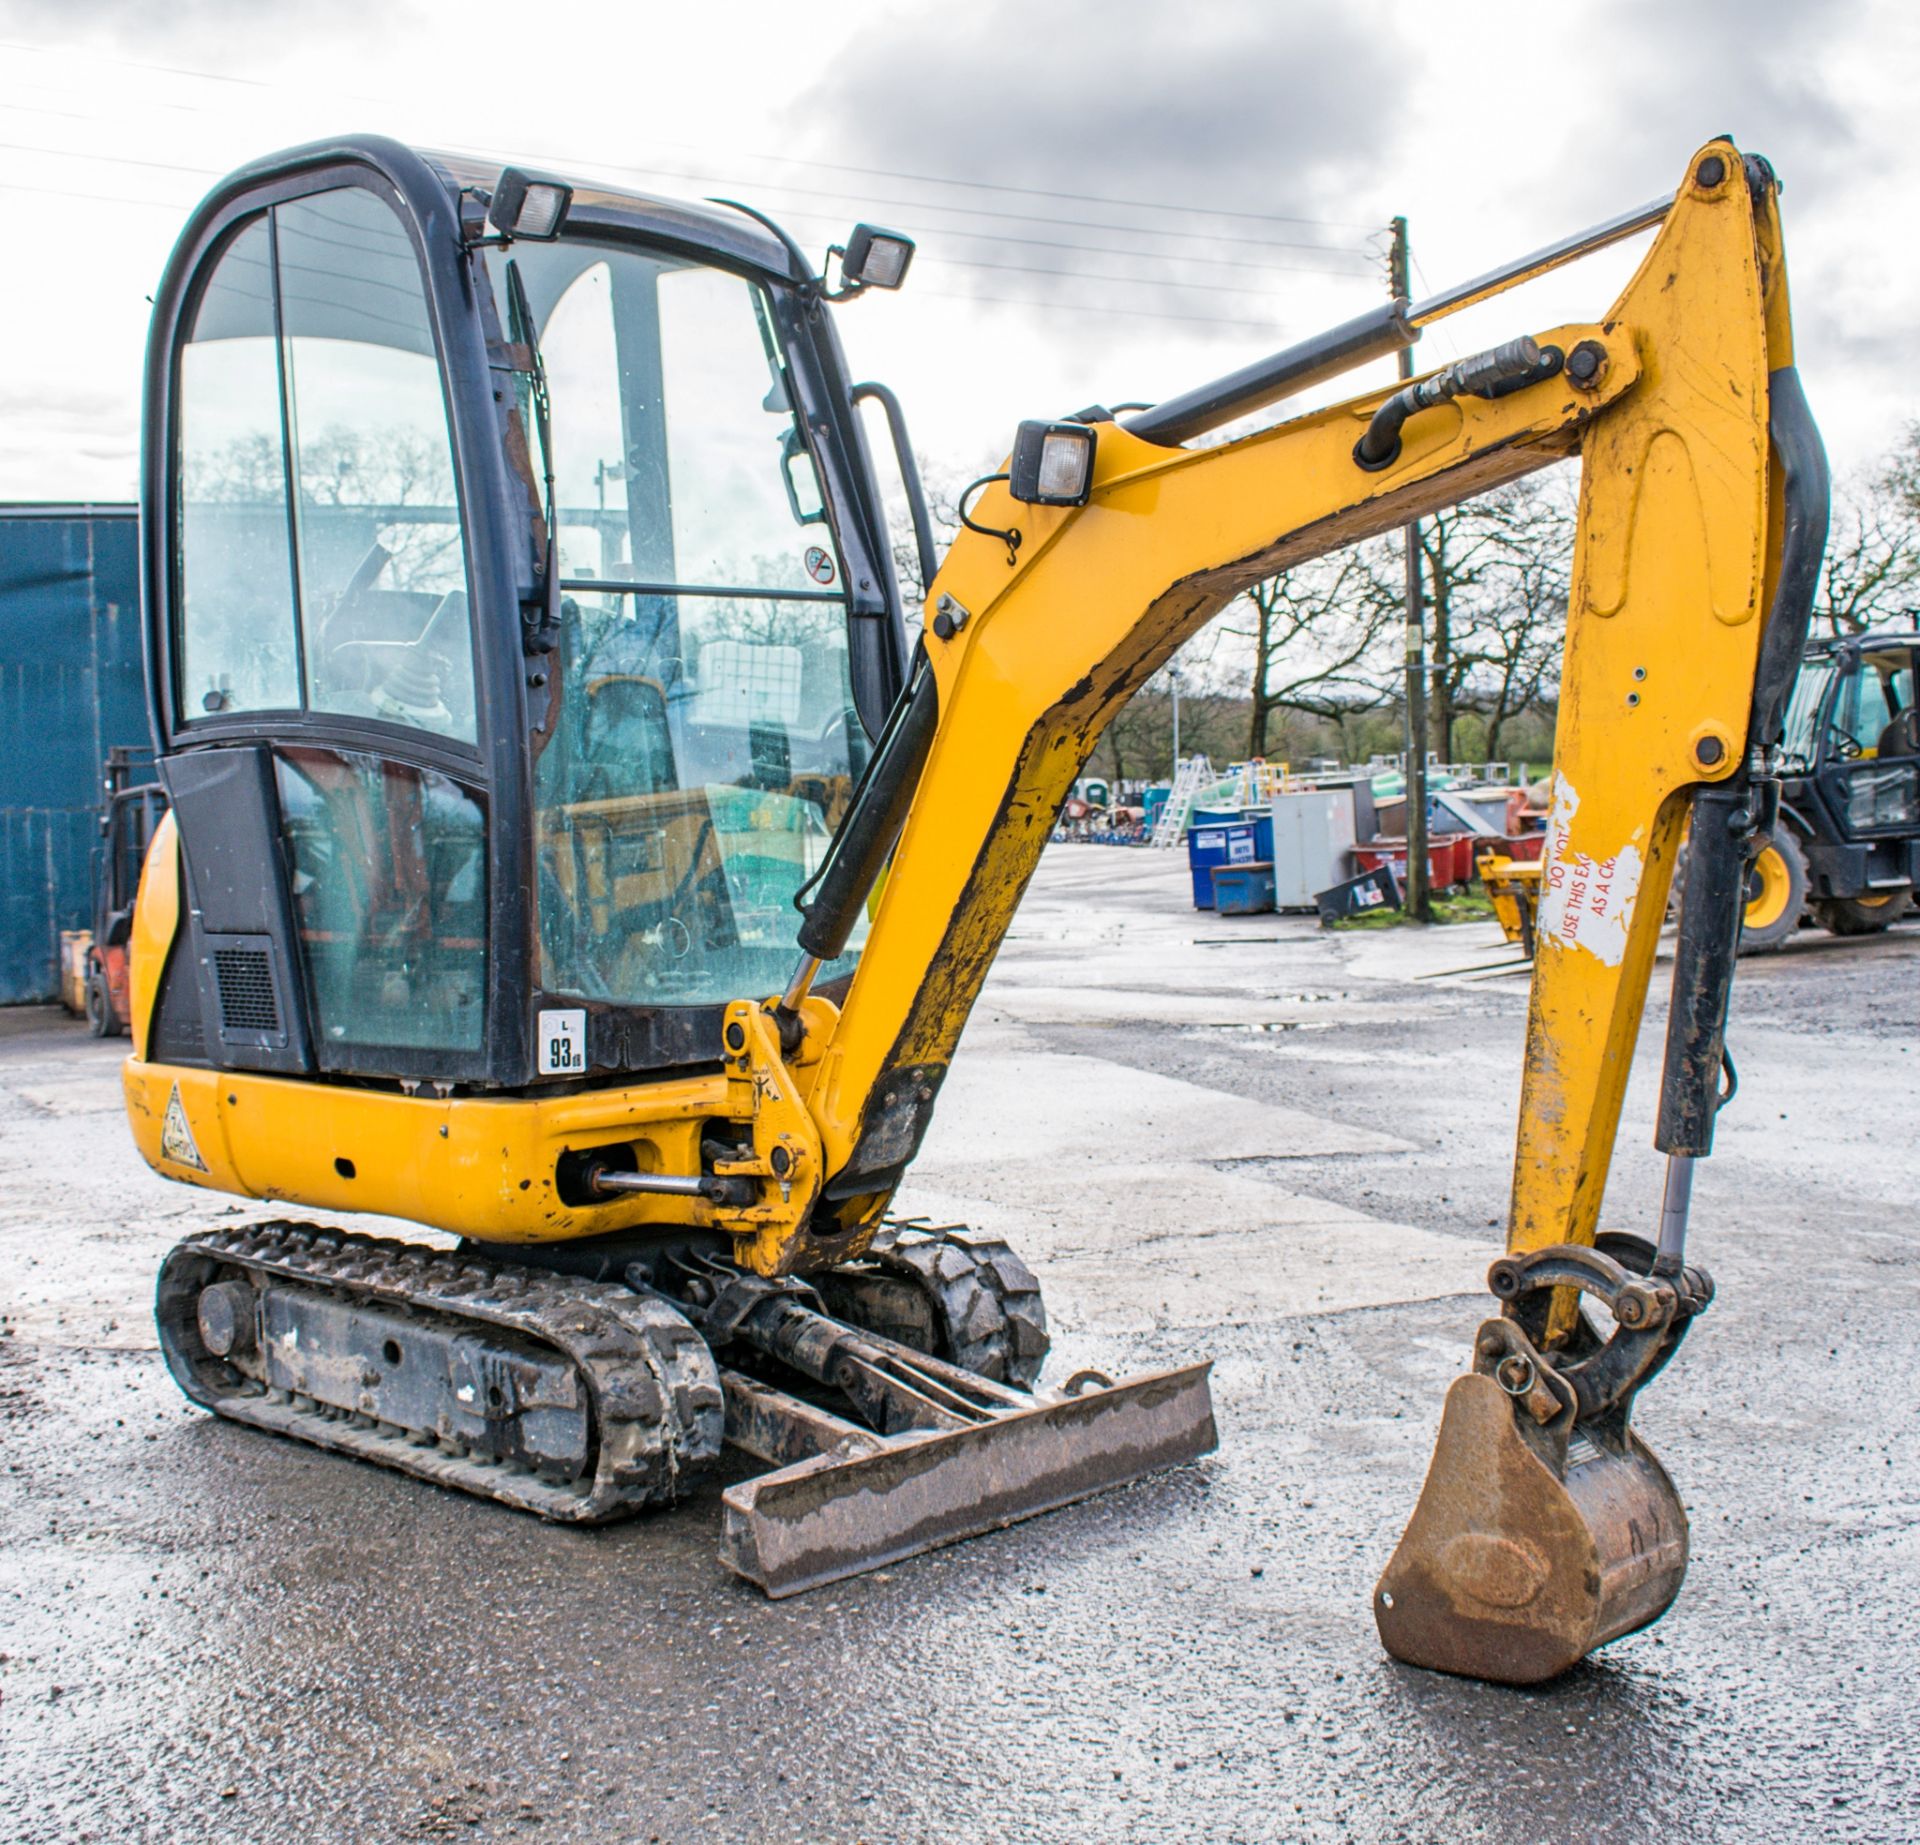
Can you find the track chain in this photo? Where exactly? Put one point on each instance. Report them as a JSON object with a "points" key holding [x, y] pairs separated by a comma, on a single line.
{"points": [[985, 1306], [652, 1384]]}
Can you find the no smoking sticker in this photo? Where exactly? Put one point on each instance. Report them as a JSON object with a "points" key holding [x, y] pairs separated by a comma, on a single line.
{"points": [[819, 565]]}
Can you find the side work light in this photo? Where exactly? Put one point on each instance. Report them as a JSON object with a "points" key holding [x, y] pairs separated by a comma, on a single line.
{"points": [[1052, 464], [876, 258], [525, 205]]}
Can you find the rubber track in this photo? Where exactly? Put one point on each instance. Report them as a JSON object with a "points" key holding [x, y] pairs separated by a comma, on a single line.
{"points": [[652, 1385], [986, 1298]]}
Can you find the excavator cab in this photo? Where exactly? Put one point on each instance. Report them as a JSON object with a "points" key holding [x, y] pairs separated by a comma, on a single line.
{"points": [[522, 614]]}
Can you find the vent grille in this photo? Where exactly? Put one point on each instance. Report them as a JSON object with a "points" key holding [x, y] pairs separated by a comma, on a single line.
{"points": [[245, 980]]}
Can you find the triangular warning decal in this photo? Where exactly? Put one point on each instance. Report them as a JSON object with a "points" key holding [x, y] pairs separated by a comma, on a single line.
{"points": [[176, 1138]]}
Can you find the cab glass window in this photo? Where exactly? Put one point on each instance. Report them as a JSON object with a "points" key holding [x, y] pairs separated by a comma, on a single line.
{"points": [[1866, 707], [322, 563], [390, 896], [1797, 741], [703, 744], [236, 647], [383, 584]]}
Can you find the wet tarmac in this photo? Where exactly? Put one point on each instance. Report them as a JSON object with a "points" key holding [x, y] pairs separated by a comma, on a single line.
{"points": [[1285, 1150]]}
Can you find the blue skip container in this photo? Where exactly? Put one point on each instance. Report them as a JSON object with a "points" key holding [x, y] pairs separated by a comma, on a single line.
{"points": [[1227, 843], [1243, 890]]}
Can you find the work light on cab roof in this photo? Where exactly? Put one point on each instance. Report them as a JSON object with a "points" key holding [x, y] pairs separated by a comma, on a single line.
{"points": [[529, 205], [875, 258]]}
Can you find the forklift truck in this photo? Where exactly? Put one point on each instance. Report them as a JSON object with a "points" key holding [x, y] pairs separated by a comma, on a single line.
{"points": [[94, 960]]}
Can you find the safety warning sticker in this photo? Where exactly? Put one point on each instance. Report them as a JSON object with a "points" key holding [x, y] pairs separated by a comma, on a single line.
{"points": [[1586, 899], [176, 1137]]}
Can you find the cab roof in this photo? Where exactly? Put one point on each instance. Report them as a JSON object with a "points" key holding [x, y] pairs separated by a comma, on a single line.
{"points": [[600, 209]]}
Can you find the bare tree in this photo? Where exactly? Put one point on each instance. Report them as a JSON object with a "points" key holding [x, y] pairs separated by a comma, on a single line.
{"points": [[1137, 744], [1318, 639], [1872, 570], [1513, 647], [1459, 547]]}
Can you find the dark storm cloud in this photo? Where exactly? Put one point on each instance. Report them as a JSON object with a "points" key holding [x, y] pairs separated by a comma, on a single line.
{"points": [[1252, 106]]}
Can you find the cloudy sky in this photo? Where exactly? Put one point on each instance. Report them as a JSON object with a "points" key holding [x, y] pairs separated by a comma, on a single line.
{"points": [[1114, 199]]}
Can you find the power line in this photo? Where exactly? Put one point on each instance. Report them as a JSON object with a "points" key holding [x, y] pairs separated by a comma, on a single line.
{"points": [[203, 172], [1104, 249], [1089, 307], [175, 208], [968, 262], [911, 178], [118, 160], [860, 200], [1081, 198], [1096, 275], [1074, 304]]}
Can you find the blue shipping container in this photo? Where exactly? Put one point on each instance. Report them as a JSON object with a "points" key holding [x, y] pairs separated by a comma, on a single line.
{"points": [[70, 688]]}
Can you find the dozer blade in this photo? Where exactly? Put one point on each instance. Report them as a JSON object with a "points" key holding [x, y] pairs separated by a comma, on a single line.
{"points": [[1513, 1569], [834, 1515]]}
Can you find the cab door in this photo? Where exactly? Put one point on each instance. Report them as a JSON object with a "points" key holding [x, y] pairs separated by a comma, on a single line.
{"points": [[323, 729]]}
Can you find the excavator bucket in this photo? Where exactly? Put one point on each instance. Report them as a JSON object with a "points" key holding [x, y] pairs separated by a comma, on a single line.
{"points": [[873, 1500], [1546, 1527], [1513, 1569]]}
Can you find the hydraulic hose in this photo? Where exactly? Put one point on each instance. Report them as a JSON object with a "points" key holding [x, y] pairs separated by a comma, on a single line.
{"points": [[1733, 819], [1485, 374]]}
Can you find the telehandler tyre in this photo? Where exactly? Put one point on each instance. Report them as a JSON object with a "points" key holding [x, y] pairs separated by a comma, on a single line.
{"points": [[1776, 894], [1864, 915]]}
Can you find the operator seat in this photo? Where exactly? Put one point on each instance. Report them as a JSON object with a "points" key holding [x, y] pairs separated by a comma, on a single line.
{"points": [[1902, 736]]}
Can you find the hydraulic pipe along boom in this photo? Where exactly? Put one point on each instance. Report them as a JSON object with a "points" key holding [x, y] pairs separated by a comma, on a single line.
{"points": [[1377, 334]]}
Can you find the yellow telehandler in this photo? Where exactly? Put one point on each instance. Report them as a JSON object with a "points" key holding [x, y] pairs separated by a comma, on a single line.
{"points": [[525, 650]]}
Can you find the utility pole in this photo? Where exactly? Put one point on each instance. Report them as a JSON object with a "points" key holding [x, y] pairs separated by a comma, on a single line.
{"points": [[1173, 679], [1418, 898]]}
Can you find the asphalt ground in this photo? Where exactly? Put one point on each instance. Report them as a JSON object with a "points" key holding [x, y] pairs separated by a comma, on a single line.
{"points": [[1244, 1139]]}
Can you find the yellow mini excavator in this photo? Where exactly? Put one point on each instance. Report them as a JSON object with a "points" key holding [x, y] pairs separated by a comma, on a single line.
{"points": [[525, 651]]}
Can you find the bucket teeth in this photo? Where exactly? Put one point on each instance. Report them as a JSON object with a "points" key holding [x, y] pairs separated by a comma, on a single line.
{"points": [[1514, 1566]]}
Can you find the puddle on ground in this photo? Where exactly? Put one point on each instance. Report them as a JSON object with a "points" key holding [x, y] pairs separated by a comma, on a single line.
{"points": [[1267, 1025]]}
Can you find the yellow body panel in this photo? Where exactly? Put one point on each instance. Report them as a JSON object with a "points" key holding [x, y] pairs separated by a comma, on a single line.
{"points": [[1677, 534], [479, 1167], [156, 921]]}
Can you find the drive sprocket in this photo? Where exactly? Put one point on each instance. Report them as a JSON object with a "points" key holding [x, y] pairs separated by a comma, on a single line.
{"points": [[949, 1292]]}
